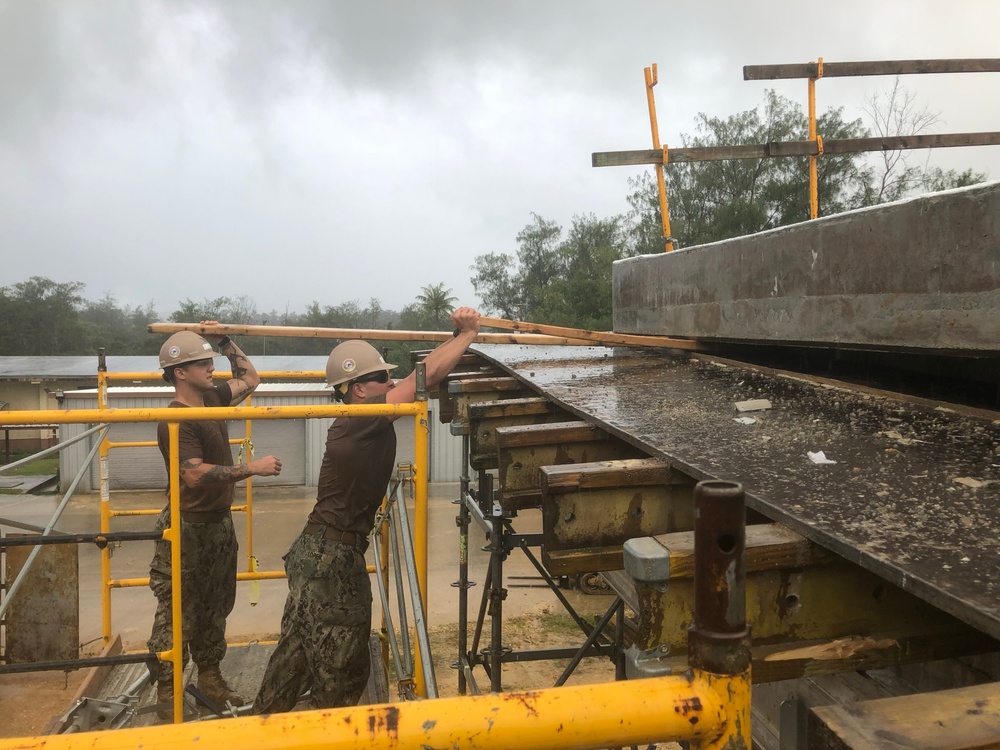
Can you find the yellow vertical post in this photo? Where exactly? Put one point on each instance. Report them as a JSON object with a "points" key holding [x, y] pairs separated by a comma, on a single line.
{"points": [[173, 535], [651, 80], [421, 455], [813, 159], [383, 571], [105, 489], [248, 444]]}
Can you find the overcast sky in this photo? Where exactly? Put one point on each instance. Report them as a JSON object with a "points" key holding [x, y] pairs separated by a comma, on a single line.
{"points": [[301, 151]]}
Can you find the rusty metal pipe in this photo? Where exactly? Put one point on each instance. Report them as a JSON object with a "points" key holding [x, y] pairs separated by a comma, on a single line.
{"points": [[719, 640]]}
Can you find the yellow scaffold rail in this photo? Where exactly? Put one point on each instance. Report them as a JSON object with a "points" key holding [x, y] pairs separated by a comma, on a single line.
{"points": [[173, 417], [694, 707]]}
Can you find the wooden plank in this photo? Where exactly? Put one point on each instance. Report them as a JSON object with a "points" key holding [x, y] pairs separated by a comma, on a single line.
{"points": [[90, 687], [602, 338], [229, 329], [452, 385], [609, 474], [791, 148], [956, 719], [585, 560], [769, 546], [869, 68]]}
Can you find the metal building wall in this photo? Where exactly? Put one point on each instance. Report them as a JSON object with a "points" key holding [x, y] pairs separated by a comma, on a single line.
{"points": [[445, 448], [298, 443]]}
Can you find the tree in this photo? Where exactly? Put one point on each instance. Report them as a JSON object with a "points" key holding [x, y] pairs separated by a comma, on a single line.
{"points": [[41, 317], [436, 305], [193, 312], [555, 280], [118, 330], [496, 284], [716, 200], [895, 112]]}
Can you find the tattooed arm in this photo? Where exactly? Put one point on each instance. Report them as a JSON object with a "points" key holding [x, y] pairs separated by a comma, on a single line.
{"points": [[245, 378], [197, 473]]}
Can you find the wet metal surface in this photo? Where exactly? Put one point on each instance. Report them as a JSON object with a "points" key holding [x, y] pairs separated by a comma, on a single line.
{"points": [[914, 494]]}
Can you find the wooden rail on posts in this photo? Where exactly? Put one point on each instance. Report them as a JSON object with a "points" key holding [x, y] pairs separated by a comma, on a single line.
{"points": [[817, 146]]}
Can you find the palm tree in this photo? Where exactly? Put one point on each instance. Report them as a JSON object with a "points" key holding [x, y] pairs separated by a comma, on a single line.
{"points": [[436, 304]]}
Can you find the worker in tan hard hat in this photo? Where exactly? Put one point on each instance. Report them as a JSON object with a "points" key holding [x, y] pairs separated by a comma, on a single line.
{"points": [[208, 543], [325, 627]]}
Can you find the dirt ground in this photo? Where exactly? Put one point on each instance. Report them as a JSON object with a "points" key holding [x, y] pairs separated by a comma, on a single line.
{"points": [[533, 618], [29, 702]]}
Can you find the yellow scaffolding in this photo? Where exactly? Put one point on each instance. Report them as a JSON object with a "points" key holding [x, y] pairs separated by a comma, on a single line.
{"points": [[708, 705]]}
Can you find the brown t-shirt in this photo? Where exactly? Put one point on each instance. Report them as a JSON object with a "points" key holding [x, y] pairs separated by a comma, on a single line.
{"points": [[357, 465], [208, 441]]}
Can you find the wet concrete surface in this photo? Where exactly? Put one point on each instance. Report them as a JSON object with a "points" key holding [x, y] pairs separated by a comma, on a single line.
{"points": [[279, 515], [913, 495]]}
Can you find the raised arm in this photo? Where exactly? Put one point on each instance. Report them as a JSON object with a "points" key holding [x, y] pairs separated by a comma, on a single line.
{"points": [[443, 359], [245, 378]]}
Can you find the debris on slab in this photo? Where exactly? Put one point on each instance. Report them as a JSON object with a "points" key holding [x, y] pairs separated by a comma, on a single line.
{"points": [[754, 404]]}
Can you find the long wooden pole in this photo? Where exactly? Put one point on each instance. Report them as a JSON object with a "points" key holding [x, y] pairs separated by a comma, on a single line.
{"points": [[595, 338], [359, 333], [520, 333]]}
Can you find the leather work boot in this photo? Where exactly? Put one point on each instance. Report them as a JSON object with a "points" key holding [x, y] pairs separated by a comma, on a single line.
{"points": [[165, 696], [212, 684]]}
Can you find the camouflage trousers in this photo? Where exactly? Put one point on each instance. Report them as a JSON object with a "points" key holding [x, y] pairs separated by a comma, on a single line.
{"points": [[324, 629], [208, 591]]}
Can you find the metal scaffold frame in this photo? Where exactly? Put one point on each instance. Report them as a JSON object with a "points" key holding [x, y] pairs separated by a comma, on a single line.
{"points": [[708, 705]]}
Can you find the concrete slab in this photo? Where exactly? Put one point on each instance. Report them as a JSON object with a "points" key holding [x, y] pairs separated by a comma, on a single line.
{"points": [[917, 275]]}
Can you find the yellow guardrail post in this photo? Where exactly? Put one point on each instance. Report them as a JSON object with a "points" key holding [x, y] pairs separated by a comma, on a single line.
{"points": [[652, 78], [421, 468], [813, 159], [105, 493], [173, 535]]}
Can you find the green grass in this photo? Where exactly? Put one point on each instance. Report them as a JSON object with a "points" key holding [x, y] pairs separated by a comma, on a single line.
{"points": [[40, 467]]}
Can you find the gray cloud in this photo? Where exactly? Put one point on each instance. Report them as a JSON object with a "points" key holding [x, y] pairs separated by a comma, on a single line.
{"points": [[297, 151]]}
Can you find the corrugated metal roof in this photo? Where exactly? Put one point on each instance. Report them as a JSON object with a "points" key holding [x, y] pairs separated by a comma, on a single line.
{"points": [[63, 368]]}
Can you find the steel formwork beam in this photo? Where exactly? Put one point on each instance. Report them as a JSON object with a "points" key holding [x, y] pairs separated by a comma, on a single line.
{"points": [[524, 450], [485, 417], [588, 508], [810, 611]]}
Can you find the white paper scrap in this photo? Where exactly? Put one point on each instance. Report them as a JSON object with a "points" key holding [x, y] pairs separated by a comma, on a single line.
{"points": [[819, 457], [754, 404], [745, 420]]}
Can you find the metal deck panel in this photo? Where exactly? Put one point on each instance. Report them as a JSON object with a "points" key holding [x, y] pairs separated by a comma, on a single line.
{"points": [[890, 504]]}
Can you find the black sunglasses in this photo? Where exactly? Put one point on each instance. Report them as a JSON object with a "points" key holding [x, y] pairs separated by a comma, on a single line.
{"points": [[381, 376]]}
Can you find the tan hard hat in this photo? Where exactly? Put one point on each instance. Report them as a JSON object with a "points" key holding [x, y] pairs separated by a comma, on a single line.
{"points": [[184, 346], [351, 360]]}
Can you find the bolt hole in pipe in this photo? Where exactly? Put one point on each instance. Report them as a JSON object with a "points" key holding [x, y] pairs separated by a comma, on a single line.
{"points": [[726, 543]]}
